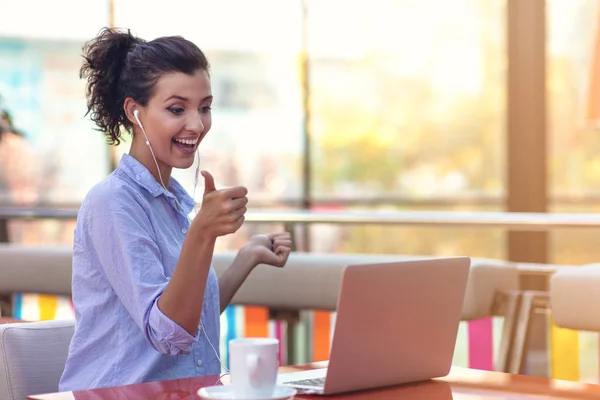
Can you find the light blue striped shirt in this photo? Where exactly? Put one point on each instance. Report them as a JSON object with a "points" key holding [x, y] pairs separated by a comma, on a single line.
{"points": [[128, 238]]}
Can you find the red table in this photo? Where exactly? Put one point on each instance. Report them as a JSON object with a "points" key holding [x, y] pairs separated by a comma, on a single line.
{"points": [[460, 384]]}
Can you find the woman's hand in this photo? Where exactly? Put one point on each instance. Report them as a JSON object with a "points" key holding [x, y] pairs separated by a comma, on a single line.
{"points": [[222, 211], [272, 249]]}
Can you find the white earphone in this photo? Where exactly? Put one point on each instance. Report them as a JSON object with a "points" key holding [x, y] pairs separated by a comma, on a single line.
{"points": [[196, 177], [136, 116]]}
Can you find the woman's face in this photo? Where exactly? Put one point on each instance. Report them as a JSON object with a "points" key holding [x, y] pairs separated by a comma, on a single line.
{"points": [[176, 119]]}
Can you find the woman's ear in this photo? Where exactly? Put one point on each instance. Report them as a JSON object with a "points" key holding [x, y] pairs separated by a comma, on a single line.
{"points": [[129, 106]]}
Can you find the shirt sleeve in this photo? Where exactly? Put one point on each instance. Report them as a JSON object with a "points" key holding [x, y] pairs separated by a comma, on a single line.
{"points": [[124, 241]]}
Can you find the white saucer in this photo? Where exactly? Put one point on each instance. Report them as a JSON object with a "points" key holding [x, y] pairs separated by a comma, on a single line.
{"points": [[226, 393]]}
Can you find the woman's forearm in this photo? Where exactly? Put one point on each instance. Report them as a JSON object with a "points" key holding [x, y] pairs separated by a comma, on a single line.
{"points": [[233, 277], [183, 297]]}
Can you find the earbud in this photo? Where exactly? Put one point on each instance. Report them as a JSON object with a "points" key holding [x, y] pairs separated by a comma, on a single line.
{"points": [[137, 118]]}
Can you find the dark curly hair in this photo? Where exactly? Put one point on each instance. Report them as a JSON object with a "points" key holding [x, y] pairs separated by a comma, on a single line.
{"points": [[118, 65]]}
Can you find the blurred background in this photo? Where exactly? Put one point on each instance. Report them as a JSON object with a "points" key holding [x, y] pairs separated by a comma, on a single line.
{"points": [[336, 105], [400, 104]]}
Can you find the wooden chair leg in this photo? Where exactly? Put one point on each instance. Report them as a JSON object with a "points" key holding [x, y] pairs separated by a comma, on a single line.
{"points": [[509, 303], [530, 300], [521, 336]]}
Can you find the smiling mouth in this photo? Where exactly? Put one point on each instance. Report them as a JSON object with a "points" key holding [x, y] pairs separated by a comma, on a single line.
{"points": [[187, 144]]}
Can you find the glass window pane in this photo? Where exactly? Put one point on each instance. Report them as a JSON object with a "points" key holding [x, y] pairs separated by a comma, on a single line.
{"points": [[573, 65], [40, 87], [256, 136], [411, 240], [575, 246], [71, 20], [408, 98], [573, 82]]}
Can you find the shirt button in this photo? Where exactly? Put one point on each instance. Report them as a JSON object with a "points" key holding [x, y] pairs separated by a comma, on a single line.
{"points": [[183, 230], [199, 363]]}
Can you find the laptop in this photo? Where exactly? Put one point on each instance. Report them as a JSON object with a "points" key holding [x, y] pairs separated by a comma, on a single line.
{"points": [[396, 323]]}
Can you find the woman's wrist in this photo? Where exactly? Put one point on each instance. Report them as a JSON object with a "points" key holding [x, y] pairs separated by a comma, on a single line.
{"points": [[199, 237], [246, 258]]}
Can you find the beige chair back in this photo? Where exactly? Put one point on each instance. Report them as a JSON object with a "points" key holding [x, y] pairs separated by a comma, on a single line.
{"points": [[33, 357]]}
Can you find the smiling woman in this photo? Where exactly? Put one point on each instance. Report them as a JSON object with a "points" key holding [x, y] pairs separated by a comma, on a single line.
{"points": [[161, 80], [147, 299], [173, 134]]}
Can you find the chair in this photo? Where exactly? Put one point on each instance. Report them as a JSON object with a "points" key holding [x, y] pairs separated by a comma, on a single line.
{"points": [[33, 357], [574, 298]]}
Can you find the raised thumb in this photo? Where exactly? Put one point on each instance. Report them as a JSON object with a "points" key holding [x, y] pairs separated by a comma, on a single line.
{"points": [[209, 182]]}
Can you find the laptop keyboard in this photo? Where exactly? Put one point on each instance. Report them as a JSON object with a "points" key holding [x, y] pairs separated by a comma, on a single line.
{"points": [[320, 382]]}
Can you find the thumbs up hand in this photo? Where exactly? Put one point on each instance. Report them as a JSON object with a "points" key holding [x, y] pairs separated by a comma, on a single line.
{"points": [[209, 182], [222, 211]]}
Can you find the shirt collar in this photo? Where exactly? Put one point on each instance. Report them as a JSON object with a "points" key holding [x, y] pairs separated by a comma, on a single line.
{"points": [[142, 176]]}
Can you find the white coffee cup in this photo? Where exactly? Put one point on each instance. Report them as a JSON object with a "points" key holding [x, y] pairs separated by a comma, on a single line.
{"points": [[253, 367]]}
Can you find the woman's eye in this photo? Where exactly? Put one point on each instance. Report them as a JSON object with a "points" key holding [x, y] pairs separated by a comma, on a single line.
{"points": [[176, 110], [205, 109]]}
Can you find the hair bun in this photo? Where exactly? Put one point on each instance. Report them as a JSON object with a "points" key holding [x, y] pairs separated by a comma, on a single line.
{"points": [[104, 59]]}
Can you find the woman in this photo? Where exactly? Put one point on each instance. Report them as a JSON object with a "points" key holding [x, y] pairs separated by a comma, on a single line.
{"points": [[147, 301]]}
